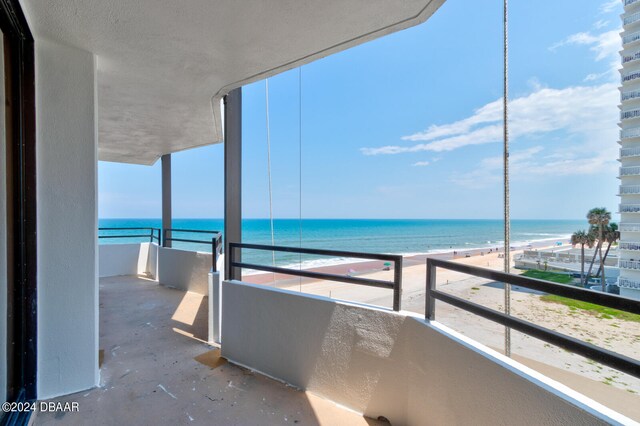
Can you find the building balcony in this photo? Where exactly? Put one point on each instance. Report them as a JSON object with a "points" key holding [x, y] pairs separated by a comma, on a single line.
{"points": [[629, 114], [628, 245], [629, 152], [628, 3], [629, 227], [629, 208], [629, 190], [628, 283], [629, 171], [630, 133], [631, 18], [630, 76], [158, 355], [629, 264], [631, 58], [629, 95], [631, 38]]}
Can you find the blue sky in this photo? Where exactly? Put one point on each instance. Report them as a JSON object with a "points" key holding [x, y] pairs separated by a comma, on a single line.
{"points": [[409, 126]]}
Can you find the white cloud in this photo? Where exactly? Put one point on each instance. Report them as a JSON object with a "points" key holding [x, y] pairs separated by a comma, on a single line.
{"points": [[526, 164], [609, 6], [579, 110], [605, 45], [421, 164], [600, 24]]}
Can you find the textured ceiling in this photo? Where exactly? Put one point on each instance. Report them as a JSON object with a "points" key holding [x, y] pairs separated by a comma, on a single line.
{"points": [[163, 65]]}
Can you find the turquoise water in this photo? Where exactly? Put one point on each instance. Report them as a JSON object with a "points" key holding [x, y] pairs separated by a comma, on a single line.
{"points": [[397, 236]]}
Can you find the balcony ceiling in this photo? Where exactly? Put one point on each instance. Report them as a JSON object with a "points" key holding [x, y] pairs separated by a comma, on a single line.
{"points": [[164, 65]]}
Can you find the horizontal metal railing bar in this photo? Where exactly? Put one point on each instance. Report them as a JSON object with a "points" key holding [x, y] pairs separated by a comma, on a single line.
{"points": [[127, 236], [605, 299], [371, 256], [125, 228], [200, 231], [395, 284], [619, 362], [187, 241], [319, 275]]}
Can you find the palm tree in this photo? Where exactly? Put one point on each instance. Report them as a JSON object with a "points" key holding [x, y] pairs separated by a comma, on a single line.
{"points": [[600, 218], [582, 237], [611, 236], [593, 235]]}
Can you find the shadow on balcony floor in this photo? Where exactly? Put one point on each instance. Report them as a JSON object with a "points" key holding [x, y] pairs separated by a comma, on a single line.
{"points": [[151, 337]]}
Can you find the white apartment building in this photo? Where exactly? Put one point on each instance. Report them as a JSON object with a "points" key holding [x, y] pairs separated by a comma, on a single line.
{"points": [[629, 280]]}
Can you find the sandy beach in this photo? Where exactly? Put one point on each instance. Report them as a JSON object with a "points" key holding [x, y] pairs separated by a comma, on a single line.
{"points": [[615, 389]]}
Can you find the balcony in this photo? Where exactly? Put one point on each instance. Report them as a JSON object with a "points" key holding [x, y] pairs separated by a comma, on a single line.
{"points": [[630, 133], [629, 208], [629, 114], [631, 38], [627, 245], [369, 359], [631, 19], [629, 95], [629, 171], [630, 76], [629, 189], [629, 264], [628, 283], [630, 227], [629, 152], [630, 58]]}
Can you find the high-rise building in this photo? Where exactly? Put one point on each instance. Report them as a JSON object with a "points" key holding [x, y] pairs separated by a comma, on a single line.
{"points": [[629, 263]]}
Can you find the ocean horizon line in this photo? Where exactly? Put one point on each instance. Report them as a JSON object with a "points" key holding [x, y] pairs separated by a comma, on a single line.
{"points": [[336, 218]]}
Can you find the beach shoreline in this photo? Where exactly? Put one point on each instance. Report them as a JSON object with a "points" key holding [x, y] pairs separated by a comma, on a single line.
{"points": [[366, 267]]}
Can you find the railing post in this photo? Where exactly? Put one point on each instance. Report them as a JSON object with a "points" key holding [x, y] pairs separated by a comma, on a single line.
{"points": [[214, 255], [231, 273], [151, 235], [397, 285], [164, 237], [430, 301]]}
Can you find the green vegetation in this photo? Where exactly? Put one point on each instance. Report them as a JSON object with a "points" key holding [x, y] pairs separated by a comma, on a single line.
{"points": [[601, 311], [549, 276]]}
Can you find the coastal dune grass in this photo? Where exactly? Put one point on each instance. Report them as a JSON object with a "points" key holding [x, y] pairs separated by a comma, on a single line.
{"points": [[602, 311]]}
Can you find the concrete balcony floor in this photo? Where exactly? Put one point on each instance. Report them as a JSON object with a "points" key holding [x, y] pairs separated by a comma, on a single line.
{"points": [[158, 369]]}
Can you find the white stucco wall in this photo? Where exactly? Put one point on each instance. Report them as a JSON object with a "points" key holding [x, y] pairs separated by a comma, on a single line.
{"points": [[151, 268], [389, 364], [127, 259], [66, 138], [3, 243], [184, 270]]}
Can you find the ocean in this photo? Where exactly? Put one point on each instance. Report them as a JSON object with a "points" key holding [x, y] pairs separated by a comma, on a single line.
{"points": [[395, 236]]}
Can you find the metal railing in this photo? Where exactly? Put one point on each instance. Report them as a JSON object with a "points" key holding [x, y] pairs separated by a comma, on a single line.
{"points": [[628, 283], [630, 38], [629, 189], [629, 227], [629, 208], [395, 285], [628, 95], [151, 235], [629, 152], [612, 359], [631, 19], [215, 242]]}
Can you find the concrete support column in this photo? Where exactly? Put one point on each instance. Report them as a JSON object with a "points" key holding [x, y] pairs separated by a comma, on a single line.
{"points": [[232, 176], [166, 197]]}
